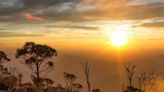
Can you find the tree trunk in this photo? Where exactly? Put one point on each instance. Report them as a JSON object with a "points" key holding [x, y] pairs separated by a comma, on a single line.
{"points": [[89, 87], [37, 76]]}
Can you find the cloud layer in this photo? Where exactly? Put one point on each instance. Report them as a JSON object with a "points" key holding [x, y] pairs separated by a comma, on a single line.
{"points": [[154, 24], [80, 10]]}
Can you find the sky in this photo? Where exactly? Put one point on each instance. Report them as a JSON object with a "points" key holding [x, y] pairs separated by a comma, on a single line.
{"points": [[81, 29]]}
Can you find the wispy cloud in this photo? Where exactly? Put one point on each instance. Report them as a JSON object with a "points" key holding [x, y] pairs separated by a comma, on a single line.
{"points": [[153, 24], [41, 15], [78, 10], [81, 27], [29, 16], [14, 34]]}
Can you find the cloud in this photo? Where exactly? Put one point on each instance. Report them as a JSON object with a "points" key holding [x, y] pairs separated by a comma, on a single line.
{"points": [[14, 34], [127, 12], [79, 10], [29, 16], [154, 24], [15, 6], [82, 27], [122, 12], [42, 3]]}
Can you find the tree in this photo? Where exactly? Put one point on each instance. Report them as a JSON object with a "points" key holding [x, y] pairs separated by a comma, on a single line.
{"points": [[37, 58], [48, 82], [3, 57], [86, 70], [59, 88], [130, 70], [77, 87], [146, 81], [96, 90], [10, 81], [19, 76], [130, 74], [69, 79]]}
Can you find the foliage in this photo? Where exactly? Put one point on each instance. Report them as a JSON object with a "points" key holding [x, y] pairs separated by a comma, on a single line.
{"points": [[70, 80], [3, 57], [96, 90], [36, 57]]}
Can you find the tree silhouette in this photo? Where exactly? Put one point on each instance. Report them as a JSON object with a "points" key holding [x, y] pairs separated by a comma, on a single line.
{"points": [[69, 79], [146, 81], [20, 76], [10, 81], [130, 70], [77, 87], [59, 88], [36, 57], [48, 82], [130, 74], [3, 57], [86, 70], [96, 90], [8, 78]]}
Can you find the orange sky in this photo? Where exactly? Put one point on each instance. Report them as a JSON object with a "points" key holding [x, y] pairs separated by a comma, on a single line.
{"points": [[82, 29]]}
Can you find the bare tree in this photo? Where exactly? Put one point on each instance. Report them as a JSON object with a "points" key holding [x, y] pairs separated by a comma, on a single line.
{"points": [[130, 70], [146, 81], [86, 69], [130, 74], [37, 58]]}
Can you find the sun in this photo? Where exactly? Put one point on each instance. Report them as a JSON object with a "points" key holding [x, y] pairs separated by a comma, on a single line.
{"points": [[118, 39]]}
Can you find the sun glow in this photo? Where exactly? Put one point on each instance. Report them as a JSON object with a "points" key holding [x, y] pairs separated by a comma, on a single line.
{"points": [[118, 39]]}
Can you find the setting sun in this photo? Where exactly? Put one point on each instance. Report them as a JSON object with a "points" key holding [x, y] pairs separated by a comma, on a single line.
{"points": [[118, 39], [81, 45]]}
